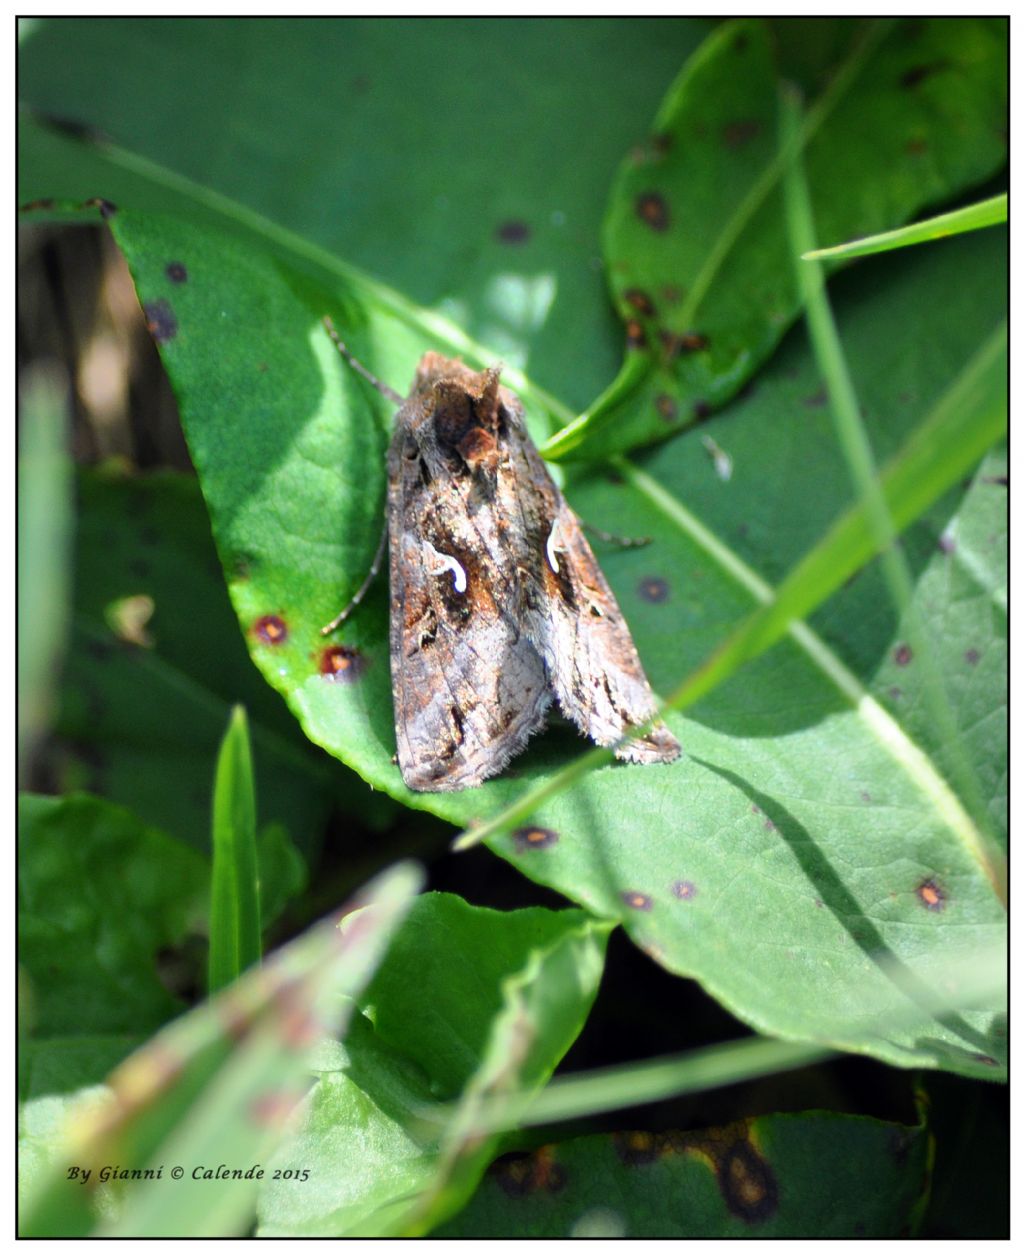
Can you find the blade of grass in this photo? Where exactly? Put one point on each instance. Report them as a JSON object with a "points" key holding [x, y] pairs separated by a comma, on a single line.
{"points": [[978, 979], [45, 522], [234, 895], [968, 218], [859, 457]]}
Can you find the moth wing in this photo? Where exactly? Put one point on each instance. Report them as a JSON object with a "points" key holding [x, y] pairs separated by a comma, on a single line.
{"points": [[574, 620], [469, 687]]}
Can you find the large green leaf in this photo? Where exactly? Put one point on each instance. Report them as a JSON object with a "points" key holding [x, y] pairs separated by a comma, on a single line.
{"points": [[809, 1175], [695, 237], [468, 1001]]}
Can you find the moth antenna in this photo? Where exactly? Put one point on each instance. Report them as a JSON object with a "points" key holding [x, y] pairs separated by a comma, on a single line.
{"points": [[358, 366], [363, 587]]}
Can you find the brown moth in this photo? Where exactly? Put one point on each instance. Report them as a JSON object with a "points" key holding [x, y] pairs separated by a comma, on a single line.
{"points": [[498, 605]]}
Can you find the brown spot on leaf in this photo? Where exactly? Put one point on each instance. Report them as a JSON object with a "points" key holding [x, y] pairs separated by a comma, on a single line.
{"points": [[636, 1148], [931, 895], [514, 231], [271, 629], [107, 208], [534, 838], [816, 399], [747, 1183], [661, 145], [177, 272], [736, 134], [640, 301], [702, 410], [689, 342], [667, 407], [672, 294], [519, 1175], [160, 320], [652, 208], [903, 655], [637, 901], [636, 337], [972, 657], [986, 1060], [34, 205], [654, 589], [342, 664], [685, 890], [915, 147]]}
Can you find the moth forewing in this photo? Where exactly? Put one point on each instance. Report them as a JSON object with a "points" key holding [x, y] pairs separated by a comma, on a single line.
{"points": [[468, 687]]}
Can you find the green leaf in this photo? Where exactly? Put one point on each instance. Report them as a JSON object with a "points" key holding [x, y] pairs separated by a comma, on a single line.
{"points": [[45, 526], [217, 1086], [100, 895], [695, 238], [807, 1175], [468, 1001], [974, 217], [235, 942]]}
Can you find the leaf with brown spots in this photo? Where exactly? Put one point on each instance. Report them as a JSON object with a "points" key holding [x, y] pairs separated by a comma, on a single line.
{"points": [[704, 214], [813, 1175]]}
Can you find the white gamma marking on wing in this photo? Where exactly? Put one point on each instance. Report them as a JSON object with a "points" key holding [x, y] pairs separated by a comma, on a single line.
{"points": [[550, 547], [444, 562]]}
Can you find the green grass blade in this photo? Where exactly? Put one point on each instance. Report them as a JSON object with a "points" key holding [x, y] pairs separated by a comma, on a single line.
{"points": [[857, 450], [973, 980], [969, 218], [45, 521], [234, 897]]}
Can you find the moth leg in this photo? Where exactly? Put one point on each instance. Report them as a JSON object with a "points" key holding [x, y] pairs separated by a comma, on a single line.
{"points": [[358, 366], [364, 587]]}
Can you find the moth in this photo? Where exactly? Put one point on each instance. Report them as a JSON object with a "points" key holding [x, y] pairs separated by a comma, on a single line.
{"points": [[498, 606]]}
